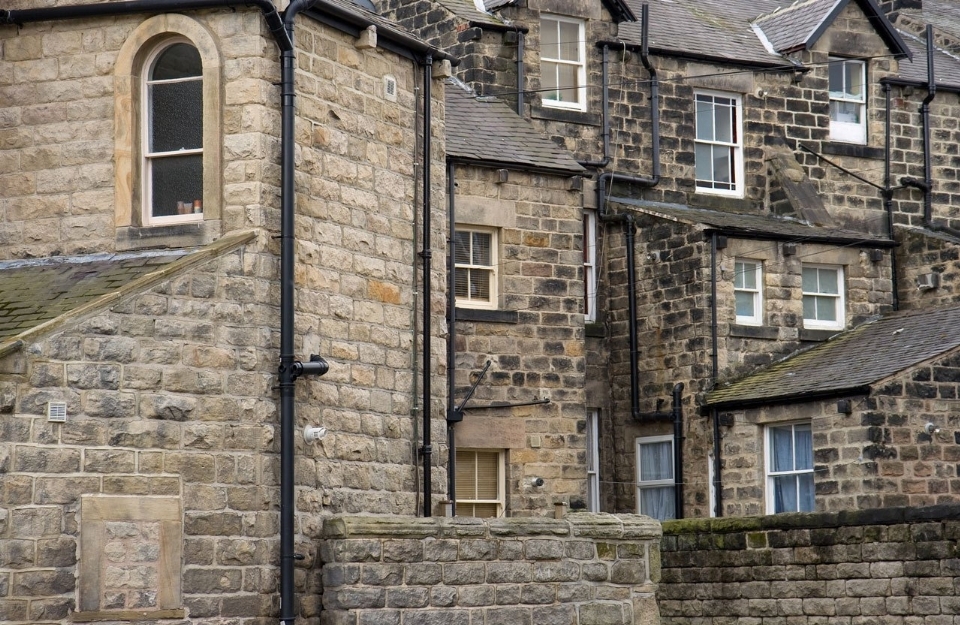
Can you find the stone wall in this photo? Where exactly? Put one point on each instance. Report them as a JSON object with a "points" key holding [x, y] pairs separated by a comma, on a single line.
{"points": [[590, 569], [896, 565], [533, 339], [922, 253]]}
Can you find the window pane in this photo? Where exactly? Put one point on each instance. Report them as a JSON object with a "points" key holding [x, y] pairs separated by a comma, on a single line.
{"points": [[569, 42], [810, 280], [721, 165], [548, 39], [569, 79], [176, 116], [488, 468], [785, 493], [175, 179], [809, 307], [828, 281], [460, 282], [480, 510], [462, 249], [466, 475], [479, 284], [656, 461], [705, 130], [805, 495], [548, 81], [180, 60], [723, 126], [704, 163], [846, 112], [826, 309], [854, 84], [836, 77], [746, 276], [781, 448], [481, 248], [658, 502], [745, 306], [803, 437]]}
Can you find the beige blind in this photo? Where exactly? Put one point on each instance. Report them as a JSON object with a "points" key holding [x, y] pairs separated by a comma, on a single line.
{"points": [[478, 483]]}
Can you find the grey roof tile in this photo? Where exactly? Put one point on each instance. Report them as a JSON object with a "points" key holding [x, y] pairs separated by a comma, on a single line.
{"points": [[38, 290], [946, 66], [943, 14], [467, 10], [746, 224], [792, 27], [852, 360], [711, 28], [484, 128]]}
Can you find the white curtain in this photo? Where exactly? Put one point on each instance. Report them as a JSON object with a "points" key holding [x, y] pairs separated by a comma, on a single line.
{"points": [[656, 464]]}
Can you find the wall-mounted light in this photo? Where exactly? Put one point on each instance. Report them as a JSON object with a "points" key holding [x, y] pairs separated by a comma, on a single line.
{"points": [[931, 429], [313, 433]]}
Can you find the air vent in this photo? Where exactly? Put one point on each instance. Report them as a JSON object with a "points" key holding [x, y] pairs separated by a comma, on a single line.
{"points": [[57, 411], [390, 88]]}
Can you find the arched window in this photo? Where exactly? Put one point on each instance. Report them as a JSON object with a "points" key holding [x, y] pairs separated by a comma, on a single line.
{"points": [[172, 137]]}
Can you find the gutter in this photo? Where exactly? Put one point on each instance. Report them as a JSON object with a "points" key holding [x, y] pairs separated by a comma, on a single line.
{"points": [[802, 397], [493, 164]]}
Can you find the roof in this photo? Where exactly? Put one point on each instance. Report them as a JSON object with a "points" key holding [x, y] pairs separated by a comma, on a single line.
{"points": [[754, 225], [851, 361], [718, 29], [944, 14], [486, 129], [492, 5], [467, 9], [36, 293], [723, 29], [800, 25], [946, 66]]}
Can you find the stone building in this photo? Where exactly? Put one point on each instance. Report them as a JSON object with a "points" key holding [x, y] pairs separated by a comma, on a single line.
{"points": [[169, 222], [759, 179]]}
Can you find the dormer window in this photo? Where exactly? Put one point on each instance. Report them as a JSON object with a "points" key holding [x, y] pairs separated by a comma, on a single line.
{"points": [[848, 119]]}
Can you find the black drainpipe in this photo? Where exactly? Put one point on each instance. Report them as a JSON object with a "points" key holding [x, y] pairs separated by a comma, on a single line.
{"points": [[926, 185], [426, 450], [676, 417], [520, 73], [888, 196], [454, 416], [715, 372], [604, 110]]}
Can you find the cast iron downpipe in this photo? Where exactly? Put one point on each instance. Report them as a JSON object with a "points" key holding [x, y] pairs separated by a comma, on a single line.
{"points": [[925, 115], [714, 374], [888, 197], [426, 451], [604, 110], [454, 416], [676, 417], [520, 70]]}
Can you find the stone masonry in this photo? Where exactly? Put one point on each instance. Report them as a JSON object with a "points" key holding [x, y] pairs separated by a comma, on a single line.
{"points": [[589, 569], [894, 566]]}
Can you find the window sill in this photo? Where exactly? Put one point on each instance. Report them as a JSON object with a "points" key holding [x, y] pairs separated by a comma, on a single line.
{"points": [[91, 616], [171, 236], [817, 335], [487, 316], [566, 116], [595, 329], [839, 148], [754, 332]]}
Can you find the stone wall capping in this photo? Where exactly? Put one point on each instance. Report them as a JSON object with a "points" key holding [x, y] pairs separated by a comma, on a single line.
{"points": [[381, 526], [528, 526]]}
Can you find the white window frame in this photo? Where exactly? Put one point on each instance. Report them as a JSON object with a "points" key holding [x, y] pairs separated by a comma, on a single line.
{"points": [[501, 499], [771, 504], [580, 103], [839, 299], [147, 157], [735, 145], [850, 132], [756, 292], [648, 484], [593, 460], [493, 269], [590, 265]]}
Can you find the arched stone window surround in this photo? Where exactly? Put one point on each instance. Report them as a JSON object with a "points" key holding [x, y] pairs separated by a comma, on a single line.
{"points": [[129, 69]]}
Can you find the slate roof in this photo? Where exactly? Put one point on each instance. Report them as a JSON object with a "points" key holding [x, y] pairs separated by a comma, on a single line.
{"points": [[485, 128], [496, 4], [750, 225], [792, 27], [724, 29], [36, 293], [850, 361], [943, 14], [946, 66], [355, 14], [467, 10], [709, 28]]}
